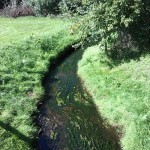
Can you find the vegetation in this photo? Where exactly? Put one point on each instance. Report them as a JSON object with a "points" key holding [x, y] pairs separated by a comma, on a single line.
{"points": [[116, 72], [24, 28], [25, 55], [15, 8], [121, 27], [121, 94], [45, 7]]}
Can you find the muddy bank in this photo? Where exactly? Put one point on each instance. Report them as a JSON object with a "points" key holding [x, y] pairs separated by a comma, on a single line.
{"points": [[68, 117]]}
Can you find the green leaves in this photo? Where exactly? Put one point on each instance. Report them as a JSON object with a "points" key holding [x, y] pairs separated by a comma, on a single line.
{"points": [[45, 7], [120, 25]]}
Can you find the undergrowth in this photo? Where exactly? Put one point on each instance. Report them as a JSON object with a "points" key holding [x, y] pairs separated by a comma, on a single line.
{"points": [[23, 63], [121, 93]]}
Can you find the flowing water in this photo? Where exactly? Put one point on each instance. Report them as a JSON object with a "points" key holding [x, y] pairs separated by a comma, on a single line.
{"points": [[69, 119]]}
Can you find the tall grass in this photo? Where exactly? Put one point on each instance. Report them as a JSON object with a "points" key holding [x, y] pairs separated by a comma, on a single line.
{"points": [[27, 45], [122, 95]]}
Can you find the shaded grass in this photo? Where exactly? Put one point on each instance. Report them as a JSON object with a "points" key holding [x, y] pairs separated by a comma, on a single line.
{"points": [[122, 95], [26, 46]]}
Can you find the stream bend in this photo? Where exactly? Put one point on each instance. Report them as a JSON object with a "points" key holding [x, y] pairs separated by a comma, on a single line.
{"points": [[69, 119]]}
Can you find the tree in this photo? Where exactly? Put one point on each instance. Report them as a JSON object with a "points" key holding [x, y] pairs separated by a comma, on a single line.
{"points": [[116, 24]]}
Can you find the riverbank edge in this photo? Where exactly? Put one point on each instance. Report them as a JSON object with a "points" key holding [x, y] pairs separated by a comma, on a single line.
{"points": [[53, 62], [115, 91], [65, 42], [115, 129]]}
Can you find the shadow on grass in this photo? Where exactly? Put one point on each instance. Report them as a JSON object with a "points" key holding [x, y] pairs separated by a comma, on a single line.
{"points": [[17, 133], [118, 57]]}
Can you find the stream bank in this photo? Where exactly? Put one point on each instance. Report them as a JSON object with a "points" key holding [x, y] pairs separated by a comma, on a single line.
{"points": [[69, 118]]}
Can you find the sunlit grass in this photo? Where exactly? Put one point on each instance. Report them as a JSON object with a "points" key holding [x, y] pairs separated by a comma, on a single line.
{"points": [[14, 30], [122, 95], [32, 43]]}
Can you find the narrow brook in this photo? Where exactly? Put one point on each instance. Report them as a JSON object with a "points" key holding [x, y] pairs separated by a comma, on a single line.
{"points": [[69, 119]]}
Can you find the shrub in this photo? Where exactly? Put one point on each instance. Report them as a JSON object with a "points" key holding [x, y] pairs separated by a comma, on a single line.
{"points": [[70, 6], [45, 7], [122, 27], [22, 9], [79, 7]]}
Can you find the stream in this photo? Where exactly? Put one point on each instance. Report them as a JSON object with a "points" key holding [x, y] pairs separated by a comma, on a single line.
{"points": [[69, 119]]}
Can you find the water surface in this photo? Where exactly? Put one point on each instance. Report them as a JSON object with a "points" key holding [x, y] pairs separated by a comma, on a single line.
{"points": [[69, 119]]}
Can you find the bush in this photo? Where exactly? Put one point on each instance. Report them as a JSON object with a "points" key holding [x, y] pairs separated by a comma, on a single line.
{"points": [[20, 9], [70, 6], [79, 7], [45, 7], [122, 27]]}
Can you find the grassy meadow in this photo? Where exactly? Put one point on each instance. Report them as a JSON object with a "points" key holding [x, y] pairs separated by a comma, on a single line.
{"points": [[15, 30], [121, 93], [26, 46]]}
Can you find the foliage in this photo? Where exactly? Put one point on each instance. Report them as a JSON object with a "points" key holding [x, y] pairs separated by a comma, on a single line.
{"points": [[45, 7], [75, 7], [70, 6], [23, 64], [121, 94], [121, 26]]}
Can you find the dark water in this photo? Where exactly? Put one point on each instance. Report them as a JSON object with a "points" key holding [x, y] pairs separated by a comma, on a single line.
{"points": [[69, 119]]}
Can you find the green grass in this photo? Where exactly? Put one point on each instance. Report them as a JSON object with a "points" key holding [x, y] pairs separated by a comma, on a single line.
{"points": [[14, 30], [26, 46], [122, 95]]}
